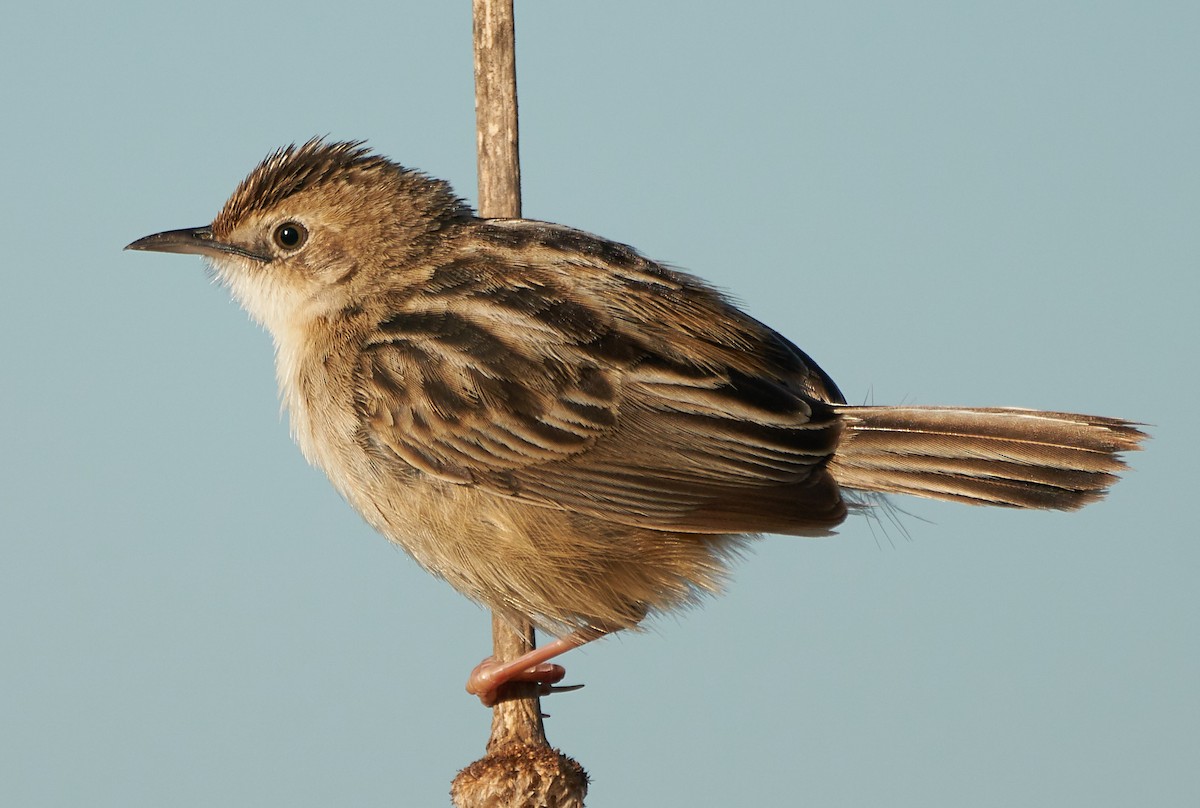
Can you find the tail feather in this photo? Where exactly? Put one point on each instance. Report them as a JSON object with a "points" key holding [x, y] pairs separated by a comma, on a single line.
{"points": [[994, 456]]}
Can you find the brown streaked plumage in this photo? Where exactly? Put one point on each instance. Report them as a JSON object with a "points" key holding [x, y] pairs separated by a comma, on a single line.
{"points": [[561, 428]]}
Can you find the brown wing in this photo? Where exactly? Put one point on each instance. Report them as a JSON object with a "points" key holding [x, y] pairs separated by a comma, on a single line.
{"points": [[606, 385]]}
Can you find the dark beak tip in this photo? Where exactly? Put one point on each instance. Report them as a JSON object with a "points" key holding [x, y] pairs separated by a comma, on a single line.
{"points": [[190, 241]]}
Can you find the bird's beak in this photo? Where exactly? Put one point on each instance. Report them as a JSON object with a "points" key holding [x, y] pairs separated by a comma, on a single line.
{"points": [[191, 241]]}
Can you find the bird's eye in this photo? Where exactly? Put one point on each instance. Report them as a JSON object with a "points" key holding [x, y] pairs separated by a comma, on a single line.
{"points": [[290, 235]]}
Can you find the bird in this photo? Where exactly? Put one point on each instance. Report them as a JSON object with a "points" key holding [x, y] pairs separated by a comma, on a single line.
{"points": [[562, 429]]}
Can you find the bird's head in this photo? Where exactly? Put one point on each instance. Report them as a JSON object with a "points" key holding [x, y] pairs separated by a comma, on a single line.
{"points": [[315, 227]]}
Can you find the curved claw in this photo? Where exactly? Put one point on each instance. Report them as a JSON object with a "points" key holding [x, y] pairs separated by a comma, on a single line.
{"points": [[552, 689]]}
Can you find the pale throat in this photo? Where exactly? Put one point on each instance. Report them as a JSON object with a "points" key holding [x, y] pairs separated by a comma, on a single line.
{"points": [[274, 304], [290, 315]]}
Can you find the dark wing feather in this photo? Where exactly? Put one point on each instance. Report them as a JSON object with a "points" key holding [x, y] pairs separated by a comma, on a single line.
{"points": [[522, 382]]}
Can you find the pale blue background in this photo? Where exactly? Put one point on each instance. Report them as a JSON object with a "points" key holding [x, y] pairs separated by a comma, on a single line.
{"points": [[968, 203]]}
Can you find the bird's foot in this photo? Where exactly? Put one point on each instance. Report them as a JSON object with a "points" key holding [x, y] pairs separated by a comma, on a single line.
{"points": [[492, 680]]}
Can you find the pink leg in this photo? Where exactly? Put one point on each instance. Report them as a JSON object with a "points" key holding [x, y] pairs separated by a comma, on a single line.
{"points": [[489, 677]]}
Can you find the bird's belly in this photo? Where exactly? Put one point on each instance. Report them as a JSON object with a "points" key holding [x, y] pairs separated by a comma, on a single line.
{"points": [[562, 570]]}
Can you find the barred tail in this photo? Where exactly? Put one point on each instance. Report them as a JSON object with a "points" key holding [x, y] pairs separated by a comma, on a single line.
{"points": [[993, 456]]}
